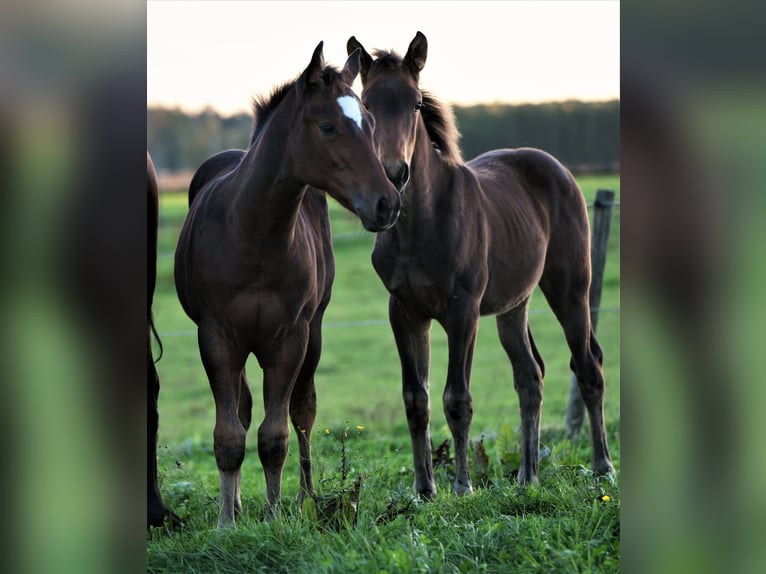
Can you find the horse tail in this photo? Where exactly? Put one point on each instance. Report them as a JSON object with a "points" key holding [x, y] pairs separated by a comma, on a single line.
{"points": [[153, 209], [153, 331]]}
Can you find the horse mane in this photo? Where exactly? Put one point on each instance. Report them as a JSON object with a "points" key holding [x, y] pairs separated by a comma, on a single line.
{"points": [[438, 116], [264, 106], [441, 127]]}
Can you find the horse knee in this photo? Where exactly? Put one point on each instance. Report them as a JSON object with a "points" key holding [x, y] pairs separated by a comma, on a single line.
{"points": [[416, 404], [229, 446], [272, 444], [458, 407]]}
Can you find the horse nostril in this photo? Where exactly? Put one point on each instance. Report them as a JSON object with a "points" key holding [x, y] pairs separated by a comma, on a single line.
{"points": [[382, 209], [399, 175]]}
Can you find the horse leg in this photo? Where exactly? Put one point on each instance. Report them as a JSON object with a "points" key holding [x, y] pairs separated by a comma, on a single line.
{"points": [[516, 338], [462, 326], [157, 510], [245, 413], [274, 432], [412, 335], [303, 406], [573, 312], [223, 363]]}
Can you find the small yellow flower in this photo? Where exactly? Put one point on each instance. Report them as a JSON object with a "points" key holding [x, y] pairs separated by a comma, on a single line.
{"points": [[326, 431], [303, 431], [359, 427], [606, 498]]}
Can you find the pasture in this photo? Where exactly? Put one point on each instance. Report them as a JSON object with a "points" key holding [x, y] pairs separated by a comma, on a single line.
{"points": [[568, 523]]}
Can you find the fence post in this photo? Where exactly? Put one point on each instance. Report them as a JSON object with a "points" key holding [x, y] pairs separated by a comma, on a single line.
{"points": [[602, 218]]}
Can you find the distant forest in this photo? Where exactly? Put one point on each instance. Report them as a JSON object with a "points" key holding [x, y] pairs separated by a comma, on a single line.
{"points": [[585, 136]]}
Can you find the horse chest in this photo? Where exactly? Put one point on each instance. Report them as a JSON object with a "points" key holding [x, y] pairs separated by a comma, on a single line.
{"points": [[414, 283]]}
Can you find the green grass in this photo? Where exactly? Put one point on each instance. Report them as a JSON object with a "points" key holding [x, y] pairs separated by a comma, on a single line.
{"points": [[562, 525]]}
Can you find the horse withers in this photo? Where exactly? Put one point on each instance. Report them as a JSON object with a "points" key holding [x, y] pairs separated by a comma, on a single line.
{"points": [[254, 265], [475, 239]]}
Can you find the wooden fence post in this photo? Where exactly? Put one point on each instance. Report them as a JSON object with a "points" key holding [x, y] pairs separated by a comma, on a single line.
{"points": [[602, 218]]}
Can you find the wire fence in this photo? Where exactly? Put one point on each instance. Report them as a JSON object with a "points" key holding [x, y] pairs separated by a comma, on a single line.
{"points": [[366, 235]]}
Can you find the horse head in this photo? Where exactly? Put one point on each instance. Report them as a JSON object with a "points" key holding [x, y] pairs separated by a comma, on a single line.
{"points": [[333, 147], [391, 93]]}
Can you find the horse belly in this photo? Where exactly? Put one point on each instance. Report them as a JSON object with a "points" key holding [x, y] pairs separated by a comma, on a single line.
{"points": [[511, 285]]}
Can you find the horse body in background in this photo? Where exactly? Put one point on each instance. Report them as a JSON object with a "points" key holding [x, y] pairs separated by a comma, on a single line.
{"points": [[254, 264], [475, 239], [157, 510]]}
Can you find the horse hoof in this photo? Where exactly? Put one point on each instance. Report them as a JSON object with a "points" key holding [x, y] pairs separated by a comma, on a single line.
{"points": [[525, 479], [226, 524], [427, 494], [461, 489], [605, 469], [270, 512]]}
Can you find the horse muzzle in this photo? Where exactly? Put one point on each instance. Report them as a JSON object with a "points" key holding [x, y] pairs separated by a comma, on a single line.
{"points": [[379, 214]]}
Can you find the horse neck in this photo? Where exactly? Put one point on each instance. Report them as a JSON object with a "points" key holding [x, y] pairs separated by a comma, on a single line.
{"points": [[269, 194], [428, 174]]}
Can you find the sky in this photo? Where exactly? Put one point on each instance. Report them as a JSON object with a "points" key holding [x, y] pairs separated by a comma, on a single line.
{"points": [[221, 54]]}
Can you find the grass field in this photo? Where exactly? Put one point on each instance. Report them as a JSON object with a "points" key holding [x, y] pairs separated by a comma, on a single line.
{"points": [[568, 523]]}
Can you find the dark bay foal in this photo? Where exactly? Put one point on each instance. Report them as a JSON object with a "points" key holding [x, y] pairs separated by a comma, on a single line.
{"points": [[475, 239], [254, 264]]}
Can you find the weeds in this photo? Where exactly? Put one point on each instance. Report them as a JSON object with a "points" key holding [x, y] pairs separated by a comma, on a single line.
{"points": [[569, 522]]}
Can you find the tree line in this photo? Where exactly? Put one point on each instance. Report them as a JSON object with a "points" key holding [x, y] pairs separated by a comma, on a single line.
{"points": [[585, 136]]}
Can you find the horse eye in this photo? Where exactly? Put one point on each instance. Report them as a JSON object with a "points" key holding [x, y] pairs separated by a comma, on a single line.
{"points": [[418, 106], [328, 129]]}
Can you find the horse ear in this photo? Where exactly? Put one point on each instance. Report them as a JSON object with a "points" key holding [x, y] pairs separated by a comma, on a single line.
{"points": [[365, 60], [313, 75], [415, 60], [351, 68]]}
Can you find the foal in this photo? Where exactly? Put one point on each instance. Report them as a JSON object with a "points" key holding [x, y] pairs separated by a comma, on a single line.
{"points": [[475, 239], [254, 264]]}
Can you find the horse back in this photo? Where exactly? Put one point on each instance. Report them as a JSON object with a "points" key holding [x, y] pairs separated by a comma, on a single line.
{"points": [[212, 167], [532, 183]]}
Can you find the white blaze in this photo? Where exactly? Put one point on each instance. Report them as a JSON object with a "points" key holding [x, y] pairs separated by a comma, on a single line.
{"points": [[351, 109]]}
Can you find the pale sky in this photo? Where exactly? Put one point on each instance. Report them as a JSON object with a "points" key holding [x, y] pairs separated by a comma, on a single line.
{"points": [[220, 54]]}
